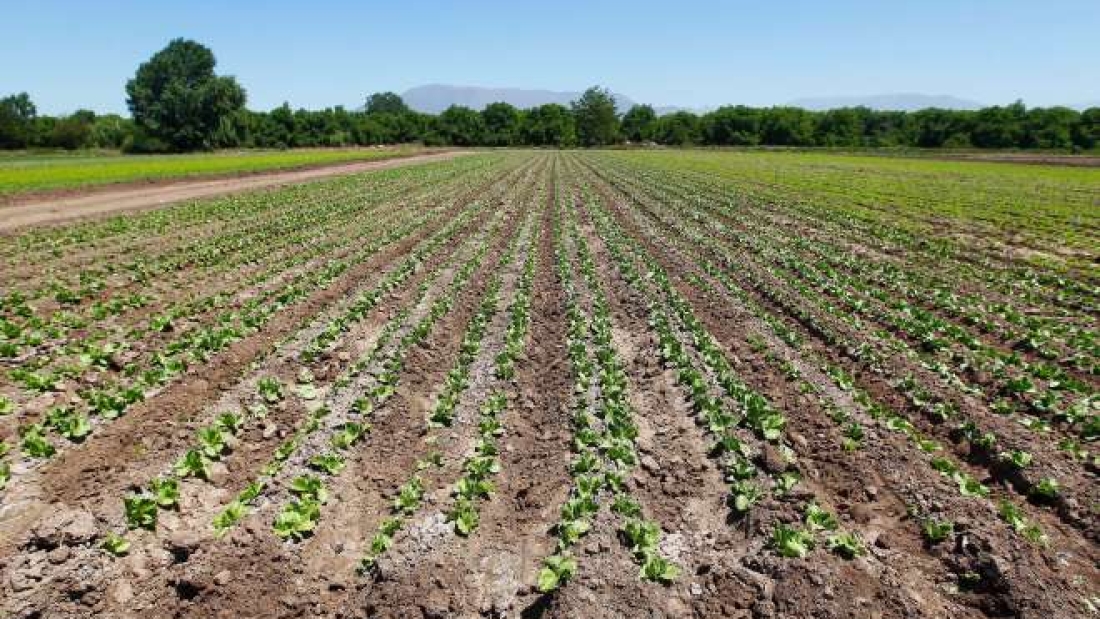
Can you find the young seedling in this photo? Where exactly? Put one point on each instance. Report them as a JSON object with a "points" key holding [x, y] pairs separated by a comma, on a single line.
{"points": [[1016, 458], [330, 463], [1046, 490], [166, 491], [936, 531], [34, 442], [270, 390], [193, 464], [465, 517], [298, 519], [791, 542], [819, 519], [743, 495], [846, 544], [309, 487], [656, 568], [116, 544], [556, 571], [141, 511]]}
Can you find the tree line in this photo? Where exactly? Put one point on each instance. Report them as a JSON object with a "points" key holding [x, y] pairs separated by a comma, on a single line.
{"points": [[177, 104]]}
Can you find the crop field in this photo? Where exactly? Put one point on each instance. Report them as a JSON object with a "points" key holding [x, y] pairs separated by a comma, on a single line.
{"points": [[563, 384], [21, 174]]}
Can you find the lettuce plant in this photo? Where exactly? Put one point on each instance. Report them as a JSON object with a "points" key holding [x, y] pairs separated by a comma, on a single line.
{"points": [[270, 390], [229, 516], [212, 442], [936, 531], [1046, 489], [297, 519], [166, 491], [34, 442], [465, 517], [141, 511], [115, 544], [846, 544], [193, 464], [791, 542], [658, 569], [330, 463], [556, 571], [348, 435], [744, 494], [309, 487], [819, 519]]}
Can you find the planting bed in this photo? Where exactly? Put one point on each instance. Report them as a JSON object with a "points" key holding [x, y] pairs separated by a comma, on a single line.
{"points": [[598, 384]]}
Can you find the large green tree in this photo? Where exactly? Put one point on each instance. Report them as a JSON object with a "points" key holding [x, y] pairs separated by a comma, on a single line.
{"points": [[549, 125], [460, 126], [597, 121], [386, 103], [677, 129], [176, 98], [501, 122], [17, 114], [638, 123], [1086, 133], [733, 125], [787, 126]]}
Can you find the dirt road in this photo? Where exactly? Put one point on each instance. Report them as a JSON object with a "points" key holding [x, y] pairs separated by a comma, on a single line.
{"points": [[131, 198]]}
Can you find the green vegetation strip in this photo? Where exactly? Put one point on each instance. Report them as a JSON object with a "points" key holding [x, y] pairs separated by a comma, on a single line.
{"points": [[23, 175]]}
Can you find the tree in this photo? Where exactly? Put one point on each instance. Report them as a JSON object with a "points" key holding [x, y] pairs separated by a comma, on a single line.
{"points": [[934, 126], [732, 125], [999, 127], [678, 129], [1086, 132], [17, 114], [787, 126], [73, 131], [595, 116], [549, 125], [840, 127], [887, 127], [386, 103], [460, 126], [638, 123], [501, 122], [110, 131], [176, 98], [1050, 127]]}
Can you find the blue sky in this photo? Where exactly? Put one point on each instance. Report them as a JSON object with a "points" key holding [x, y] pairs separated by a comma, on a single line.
{"points": [[688, 52]]}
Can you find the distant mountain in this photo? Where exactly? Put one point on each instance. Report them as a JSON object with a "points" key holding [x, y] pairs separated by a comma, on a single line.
{"points": [[905, 101], [434, 98]]}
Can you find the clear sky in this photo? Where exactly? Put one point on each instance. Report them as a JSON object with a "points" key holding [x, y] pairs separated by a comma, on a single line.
{"points": [[692, 53]]}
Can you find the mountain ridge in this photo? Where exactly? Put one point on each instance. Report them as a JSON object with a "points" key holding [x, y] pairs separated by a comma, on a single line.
{"points": [[436, 97], [898, 101]]}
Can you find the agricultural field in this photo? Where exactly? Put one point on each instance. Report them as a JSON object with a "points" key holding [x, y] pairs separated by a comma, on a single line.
{"points": [[23, 173], [563, 384]]}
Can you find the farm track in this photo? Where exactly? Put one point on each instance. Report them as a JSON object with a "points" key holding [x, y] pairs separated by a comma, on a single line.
{"points": [[650, 371], [60, 210]]}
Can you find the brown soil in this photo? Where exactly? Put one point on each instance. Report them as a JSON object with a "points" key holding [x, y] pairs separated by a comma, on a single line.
{"points": [[53, 519]]}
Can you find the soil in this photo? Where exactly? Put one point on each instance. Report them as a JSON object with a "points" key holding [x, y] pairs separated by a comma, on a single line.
{"points": [[54, 516]]}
